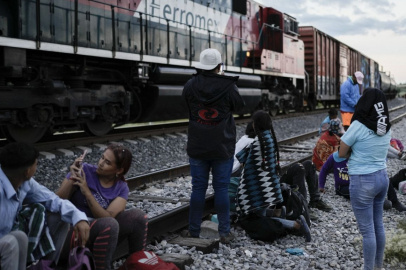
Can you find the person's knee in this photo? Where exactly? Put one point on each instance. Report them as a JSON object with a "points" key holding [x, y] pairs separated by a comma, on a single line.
{"points": [[309, 166], [133, 215], [200, 184], [21, 237], [137, 215], [107, 223], [296, 171], [9, 245]]}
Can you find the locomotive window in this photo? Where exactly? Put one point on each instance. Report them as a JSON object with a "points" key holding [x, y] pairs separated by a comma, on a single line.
{"points": [[240, 6], [274, 19]]}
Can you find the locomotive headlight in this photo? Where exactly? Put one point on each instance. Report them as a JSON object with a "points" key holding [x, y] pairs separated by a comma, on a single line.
{"points": [[248, 54], [140, 72], [145, 71]]}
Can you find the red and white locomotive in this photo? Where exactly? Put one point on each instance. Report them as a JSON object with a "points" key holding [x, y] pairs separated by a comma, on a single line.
{"points": [[100, 63]]}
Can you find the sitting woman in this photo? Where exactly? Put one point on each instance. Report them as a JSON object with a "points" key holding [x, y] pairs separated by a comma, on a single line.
{"points": [[259, 187], [327, 144], [101, 192]]}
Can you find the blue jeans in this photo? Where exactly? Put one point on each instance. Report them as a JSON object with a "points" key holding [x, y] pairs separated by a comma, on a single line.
{"points": [[221, 171], [368, 193]]}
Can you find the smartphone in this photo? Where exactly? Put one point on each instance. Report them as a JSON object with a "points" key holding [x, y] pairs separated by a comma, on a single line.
{"points": [[79, 164], [84, 154], [83, 157]]}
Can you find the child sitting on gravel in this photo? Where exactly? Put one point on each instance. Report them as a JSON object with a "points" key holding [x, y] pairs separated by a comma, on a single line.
{"points": [[332, 114], [342, 181], [101, 192], [327, 144]]}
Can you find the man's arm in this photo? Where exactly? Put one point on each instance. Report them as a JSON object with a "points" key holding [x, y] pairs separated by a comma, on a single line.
{"points": [[237, 102], [40, 194]]}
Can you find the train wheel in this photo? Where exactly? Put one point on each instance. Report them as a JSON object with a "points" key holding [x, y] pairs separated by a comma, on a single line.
{"points": [[273, 111], [23, 134], [97, 127]]}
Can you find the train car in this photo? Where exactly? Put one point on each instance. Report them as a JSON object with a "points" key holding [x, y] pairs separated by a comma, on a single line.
{"points": [[329, 62], [393, 88], [385, 82], [95, 64], [322, 65]]}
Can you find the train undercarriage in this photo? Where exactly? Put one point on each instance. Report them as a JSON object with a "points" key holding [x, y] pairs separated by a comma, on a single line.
{"points": [[48, 92]]}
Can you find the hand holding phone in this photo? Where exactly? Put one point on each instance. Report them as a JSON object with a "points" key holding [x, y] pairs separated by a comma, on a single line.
{"points": [[77, 165], [78, 161]]}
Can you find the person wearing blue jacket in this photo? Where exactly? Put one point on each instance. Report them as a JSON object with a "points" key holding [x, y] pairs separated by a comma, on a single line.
{"points": [[350, 94]]}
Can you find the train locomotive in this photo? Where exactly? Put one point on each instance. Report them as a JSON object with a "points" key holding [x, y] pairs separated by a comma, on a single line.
{"points": [[96, 64]]}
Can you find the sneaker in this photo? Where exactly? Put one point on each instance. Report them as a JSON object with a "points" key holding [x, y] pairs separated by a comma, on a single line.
{"points": [[398, 206], [304, 229], [186, 234], [387, 205], [313, 216], [227, 238], [321, 205], [403, 156]]}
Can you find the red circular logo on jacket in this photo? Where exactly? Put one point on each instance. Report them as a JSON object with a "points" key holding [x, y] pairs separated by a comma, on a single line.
{"points": [[208, 114]]}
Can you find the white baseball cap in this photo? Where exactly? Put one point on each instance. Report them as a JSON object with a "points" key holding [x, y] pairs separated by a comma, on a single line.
{"points": [[359, 76], [209, 59]]}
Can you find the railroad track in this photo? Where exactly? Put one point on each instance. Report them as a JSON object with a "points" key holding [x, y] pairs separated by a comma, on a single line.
{"points": [[73, 139], [172, 221], [80, 139]]}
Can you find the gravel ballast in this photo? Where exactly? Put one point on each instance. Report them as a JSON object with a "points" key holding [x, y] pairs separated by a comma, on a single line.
{"points": [[336, 241]]}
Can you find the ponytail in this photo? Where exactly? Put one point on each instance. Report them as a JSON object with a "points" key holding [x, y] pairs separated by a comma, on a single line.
{"points": [[278, 166], [261, 143]]}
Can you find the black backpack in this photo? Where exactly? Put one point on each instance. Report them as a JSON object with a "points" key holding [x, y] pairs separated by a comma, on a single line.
{"points": [[295, 203]]}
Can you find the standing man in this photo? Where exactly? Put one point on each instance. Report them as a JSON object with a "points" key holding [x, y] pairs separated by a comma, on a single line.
{"points": [[350, 94], [211, 98], [17, 187]]}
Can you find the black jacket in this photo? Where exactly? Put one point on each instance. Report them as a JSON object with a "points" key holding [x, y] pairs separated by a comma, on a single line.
{"points": [[211, 99]]}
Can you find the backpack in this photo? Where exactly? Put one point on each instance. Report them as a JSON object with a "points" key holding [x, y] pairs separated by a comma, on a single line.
{"points": [[81, 258], [262, 228], [146, 260], [295, 203]]}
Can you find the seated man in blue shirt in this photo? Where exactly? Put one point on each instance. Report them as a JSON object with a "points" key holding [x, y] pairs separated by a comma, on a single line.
{"points": [[18, 163]]}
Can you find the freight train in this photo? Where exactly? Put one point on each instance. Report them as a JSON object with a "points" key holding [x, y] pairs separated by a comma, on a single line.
{"points": [[95, 64]]}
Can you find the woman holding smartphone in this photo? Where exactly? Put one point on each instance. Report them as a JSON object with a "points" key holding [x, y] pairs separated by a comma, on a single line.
{"points": [[101, 192]]}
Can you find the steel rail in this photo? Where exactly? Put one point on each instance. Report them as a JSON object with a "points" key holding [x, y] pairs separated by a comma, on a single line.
{"points": [[143, 180], [77, 139], [175, 220]]}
